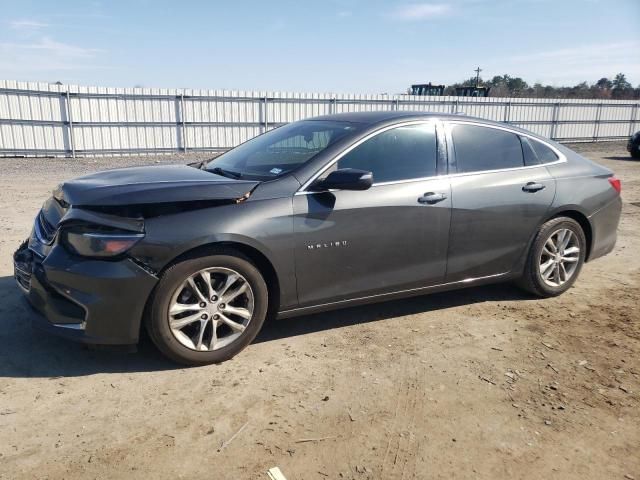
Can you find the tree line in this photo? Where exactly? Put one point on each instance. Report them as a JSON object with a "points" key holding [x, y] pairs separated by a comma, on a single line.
{"points": [[617, 88]]}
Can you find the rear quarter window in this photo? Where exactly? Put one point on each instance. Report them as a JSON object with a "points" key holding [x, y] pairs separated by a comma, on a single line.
{"points": [[544, 153], [530, 156]]}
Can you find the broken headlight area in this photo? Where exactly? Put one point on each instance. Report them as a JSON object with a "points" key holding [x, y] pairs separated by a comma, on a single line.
{"points": [[101, 242]]}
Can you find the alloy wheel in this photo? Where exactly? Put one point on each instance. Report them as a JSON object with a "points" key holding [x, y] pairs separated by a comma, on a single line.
{"points": [[211, 309], [559, 257]]}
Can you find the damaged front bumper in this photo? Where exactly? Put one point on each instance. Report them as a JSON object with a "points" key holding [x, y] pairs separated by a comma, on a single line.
{"points": [[88, 300]]}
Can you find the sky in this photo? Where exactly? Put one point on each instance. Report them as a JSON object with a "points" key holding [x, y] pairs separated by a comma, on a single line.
{"points": [[342, 46]]}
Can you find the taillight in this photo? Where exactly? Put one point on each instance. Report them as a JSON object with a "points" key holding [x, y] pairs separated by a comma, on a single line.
{"points": [[616, 184]]}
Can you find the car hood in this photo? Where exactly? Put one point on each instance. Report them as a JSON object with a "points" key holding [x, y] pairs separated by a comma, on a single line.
{"points": [[148, 185]]}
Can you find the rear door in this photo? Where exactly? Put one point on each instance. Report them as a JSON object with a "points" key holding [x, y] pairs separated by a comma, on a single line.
{"points": [[498, 200], [391, 237]]}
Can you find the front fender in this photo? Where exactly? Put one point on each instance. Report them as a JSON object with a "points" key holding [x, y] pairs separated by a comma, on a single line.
{"points": [[265, 226]]}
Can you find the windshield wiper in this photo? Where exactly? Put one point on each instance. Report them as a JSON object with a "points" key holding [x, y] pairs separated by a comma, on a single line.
{"points": [[226, 173]]}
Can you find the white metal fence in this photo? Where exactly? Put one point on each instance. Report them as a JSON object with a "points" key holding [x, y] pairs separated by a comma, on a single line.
{"points": [[39, 119]]}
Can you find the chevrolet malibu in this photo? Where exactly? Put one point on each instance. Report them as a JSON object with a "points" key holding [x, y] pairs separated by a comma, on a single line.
{"points": [[315, 215]]}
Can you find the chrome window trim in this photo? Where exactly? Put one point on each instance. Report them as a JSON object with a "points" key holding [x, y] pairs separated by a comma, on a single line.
{"points": [[437, 177], [410, 180], [500, 170], [446, 124], [302, 190], [383, 184]]}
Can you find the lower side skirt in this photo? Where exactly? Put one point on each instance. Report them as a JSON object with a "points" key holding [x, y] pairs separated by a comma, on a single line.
{"points": [[500, 277]]}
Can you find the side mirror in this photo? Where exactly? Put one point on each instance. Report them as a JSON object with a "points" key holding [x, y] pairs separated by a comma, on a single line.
{"points": [[344, 179]]}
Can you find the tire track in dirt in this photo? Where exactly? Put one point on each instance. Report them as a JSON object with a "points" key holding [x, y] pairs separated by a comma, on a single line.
{"points": [[401, 446]]}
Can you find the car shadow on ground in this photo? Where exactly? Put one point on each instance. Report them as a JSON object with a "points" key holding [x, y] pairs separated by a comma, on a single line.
{"points": [[26, 352], [628, 158], [291, 327], [29, 353]]}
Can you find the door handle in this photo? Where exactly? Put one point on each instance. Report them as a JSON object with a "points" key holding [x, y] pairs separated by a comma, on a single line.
{"points": [[533, 187], [432, 197]]}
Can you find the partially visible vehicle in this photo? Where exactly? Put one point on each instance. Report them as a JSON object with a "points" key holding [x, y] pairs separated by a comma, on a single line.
{"points": [[472, 91], [426, 89], [633, 145]]}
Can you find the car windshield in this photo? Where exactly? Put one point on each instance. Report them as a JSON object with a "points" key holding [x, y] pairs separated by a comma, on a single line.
{"points": [[280, 151]]}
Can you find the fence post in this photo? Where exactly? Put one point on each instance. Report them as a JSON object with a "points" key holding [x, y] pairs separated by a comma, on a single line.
{"points": [[507, 112], [70, 124], [182, 124], [265, 114], [634, 118], [596, 126], [554, 120]]}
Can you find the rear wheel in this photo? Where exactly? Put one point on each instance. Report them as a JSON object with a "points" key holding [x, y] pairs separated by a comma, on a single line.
{"points": [[635, 153], [555, 258], [206, 310]]}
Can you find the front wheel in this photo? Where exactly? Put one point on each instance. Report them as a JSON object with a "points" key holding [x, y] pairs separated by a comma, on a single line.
{"points": [[207, 309], [555, 258]]}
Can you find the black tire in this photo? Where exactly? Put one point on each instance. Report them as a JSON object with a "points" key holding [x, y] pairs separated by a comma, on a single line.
{"points": [[635, 153], [532, 280], [157, 319]]}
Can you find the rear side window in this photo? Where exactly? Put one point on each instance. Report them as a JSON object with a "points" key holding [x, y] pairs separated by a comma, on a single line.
{"points": [[481, 148], [402, 153], [544, 153]]}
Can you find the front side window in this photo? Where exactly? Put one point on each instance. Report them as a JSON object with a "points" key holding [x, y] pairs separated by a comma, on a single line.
{"points": [[481, 148], [402, 153], [280, 151]]}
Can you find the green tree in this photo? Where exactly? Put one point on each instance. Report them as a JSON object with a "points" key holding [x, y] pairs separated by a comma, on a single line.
{"points": [[509, 86], [516, 85], [604, 84], [580, 90], [621, 87]]}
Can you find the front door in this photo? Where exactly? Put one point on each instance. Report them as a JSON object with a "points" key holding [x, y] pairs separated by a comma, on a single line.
{"points": [[352, 244]]}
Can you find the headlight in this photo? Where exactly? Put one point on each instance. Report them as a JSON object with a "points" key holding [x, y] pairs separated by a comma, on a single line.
{"points": [[100, 244]]}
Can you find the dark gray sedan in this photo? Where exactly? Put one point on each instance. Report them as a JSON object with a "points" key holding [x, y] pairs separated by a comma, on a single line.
{"points": [[315, 215]]}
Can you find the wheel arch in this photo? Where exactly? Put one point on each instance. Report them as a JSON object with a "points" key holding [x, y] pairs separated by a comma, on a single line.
{"points": [[258, 258], [584, 223], [573, 213]]}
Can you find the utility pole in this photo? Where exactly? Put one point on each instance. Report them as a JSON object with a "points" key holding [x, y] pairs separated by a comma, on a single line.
{"points": [[478, 70]]}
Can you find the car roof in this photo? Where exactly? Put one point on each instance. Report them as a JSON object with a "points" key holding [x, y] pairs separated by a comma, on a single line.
{"points": [[391, 116], [377, 116]]}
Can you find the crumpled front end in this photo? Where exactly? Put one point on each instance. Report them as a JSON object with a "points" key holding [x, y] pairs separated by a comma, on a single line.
{"points": [[78, 268], [92, 300]]}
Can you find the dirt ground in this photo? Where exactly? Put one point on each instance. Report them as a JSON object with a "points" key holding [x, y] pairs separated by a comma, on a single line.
{"points": [[483, 383]]}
